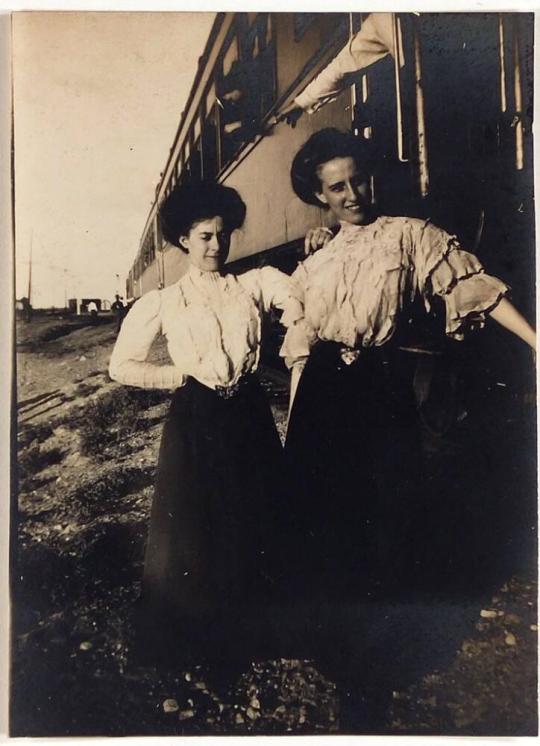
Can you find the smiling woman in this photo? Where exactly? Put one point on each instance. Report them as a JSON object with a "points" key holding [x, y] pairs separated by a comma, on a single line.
{"points": [[209, 561], [345, 190], [354, 437]]}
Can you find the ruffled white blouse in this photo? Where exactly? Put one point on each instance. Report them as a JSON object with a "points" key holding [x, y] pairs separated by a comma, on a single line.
{"points": [[354, 288], [212, 324]]}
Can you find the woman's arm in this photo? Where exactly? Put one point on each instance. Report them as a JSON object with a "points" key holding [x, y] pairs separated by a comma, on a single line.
{"points": [[371, 43], [296, 373], [140, 328], [287, 294], [506, 315]]}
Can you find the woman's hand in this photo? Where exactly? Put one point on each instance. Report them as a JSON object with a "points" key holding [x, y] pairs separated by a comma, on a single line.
{"points": [[316, 238], [290, 114], [506, 315]]}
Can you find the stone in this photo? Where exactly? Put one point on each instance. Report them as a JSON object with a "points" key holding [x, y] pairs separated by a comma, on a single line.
{"points": [[510, 639], [186, 714], [170, 705], [488, 614], [85, 645]]}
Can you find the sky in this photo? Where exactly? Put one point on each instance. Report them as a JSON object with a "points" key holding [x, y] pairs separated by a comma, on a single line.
{"points": [[97, 100]]}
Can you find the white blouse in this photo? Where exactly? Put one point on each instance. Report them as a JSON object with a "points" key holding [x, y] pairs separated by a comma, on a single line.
{"points": [[212, 324], [355, 287]]}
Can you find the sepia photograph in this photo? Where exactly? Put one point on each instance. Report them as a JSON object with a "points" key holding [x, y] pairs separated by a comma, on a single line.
{"points": [[274, 423]]}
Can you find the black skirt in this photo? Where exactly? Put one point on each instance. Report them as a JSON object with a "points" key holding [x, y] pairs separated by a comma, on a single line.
{"points": [[353, 452], [210, 561]]}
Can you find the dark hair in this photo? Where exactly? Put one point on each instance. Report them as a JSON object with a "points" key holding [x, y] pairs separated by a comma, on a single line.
{"points": [[191, 202], [324, 146]]}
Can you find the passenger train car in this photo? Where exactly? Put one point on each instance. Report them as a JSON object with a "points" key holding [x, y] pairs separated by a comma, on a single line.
{"points": [[449, 117]]}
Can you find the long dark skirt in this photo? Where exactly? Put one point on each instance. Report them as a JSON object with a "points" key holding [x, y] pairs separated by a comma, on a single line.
{"points": [[209, 565], [353, 450]]}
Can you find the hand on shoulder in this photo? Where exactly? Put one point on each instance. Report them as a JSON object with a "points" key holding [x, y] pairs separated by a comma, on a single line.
{"points": [[317, 238]]}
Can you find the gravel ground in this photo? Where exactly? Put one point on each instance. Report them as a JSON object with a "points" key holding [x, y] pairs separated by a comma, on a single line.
{"points": [[465, 667]]}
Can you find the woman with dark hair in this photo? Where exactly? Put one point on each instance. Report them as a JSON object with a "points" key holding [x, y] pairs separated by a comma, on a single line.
{"points": [[208, 558], [353, 440]]}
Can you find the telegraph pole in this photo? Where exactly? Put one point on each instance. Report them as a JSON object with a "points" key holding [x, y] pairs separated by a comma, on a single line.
{"points": [[29, 294]]}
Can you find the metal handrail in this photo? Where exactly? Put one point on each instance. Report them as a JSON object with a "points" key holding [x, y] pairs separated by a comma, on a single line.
{"points": [[398, 63], [423, 165]]}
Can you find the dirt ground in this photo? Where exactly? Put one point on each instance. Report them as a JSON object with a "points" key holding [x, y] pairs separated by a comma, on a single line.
{"points": [[87, 450]]}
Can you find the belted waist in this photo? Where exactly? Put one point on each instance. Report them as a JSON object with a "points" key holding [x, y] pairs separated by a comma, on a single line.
{"points": [[227, 392], [344, 356], [340, 355], [223, 392]]}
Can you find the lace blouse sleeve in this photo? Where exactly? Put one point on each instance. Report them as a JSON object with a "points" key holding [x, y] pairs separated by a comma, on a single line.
{"points": [[444, 269], [277, 291], [300, 337], [139, 329]]}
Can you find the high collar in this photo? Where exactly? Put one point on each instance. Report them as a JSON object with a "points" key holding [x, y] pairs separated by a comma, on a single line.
{"points": [[200, 277], [346, 226]]}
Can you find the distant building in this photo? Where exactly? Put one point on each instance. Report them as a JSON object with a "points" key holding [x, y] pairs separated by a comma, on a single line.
{"points": [[80, 305]]}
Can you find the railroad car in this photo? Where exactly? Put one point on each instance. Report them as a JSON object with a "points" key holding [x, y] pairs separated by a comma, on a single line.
{"points": [[449, 117]]}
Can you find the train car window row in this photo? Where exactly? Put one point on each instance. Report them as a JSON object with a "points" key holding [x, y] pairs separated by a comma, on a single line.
{"points": [[241, 92], [460, 93]]}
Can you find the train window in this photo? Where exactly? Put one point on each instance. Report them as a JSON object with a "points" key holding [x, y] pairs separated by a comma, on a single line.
{"points": [[256, 36], [186, 160], [230, 56], [195, 161], [228, 97], [149, 248], [210, 99], [158, 235], [247, 85], [181, 163], [210, 144]]}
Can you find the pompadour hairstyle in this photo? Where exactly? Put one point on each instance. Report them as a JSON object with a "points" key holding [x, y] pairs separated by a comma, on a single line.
{"points": [[192, 202]]}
